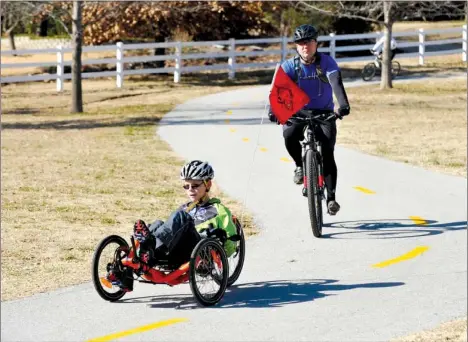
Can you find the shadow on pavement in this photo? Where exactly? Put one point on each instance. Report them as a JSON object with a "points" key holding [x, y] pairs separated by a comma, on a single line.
{"points": [[266, 294], [390, 229]]}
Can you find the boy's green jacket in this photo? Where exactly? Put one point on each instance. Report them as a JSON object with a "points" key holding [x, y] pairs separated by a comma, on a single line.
{"points": [[219, 215]]}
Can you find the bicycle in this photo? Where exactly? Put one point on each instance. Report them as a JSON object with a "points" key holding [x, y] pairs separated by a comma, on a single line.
{"points": [[370, 69], [314, 180]]}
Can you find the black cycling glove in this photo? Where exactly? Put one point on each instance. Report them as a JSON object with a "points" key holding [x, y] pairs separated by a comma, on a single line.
{"points": [[272, 117]]}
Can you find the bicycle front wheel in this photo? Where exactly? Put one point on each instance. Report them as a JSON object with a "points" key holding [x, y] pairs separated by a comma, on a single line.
{"points": [[368, 72], [313, 193]]}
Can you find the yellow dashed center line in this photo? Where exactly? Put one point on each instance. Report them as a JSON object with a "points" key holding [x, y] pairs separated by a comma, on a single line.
{"points": [[138, 330], [229, 112], [287, 160], [245, 139], [411, 254], [232, 130], [418, 220], [364, 190], [263, 149]]}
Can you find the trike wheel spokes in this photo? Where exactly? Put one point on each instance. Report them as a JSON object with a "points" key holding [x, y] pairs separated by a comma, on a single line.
{"points": [[105, 255], [209, 272], [313, 193]]}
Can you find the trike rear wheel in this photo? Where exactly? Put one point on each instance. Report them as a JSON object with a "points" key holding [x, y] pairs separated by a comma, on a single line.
{"points": [[238, 255], [208, 260], [99, 280]]}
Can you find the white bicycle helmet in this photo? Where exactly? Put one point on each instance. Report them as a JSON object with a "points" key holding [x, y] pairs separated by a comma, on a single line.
{"points": [[197, 170]]}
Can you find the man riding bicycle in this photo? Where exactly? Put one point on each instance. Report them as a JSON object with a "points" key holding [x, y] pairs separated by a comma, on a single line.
{"points": [[319, 76], [377, 49]]}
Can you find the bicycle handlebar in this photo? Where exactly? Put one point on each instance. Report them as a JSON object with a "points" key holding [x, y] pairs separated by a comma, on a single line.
{"points": [[308, 115]]}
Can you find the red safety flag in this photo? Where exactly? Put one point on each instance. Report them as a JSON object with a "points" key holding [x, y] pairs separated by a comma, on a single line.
{"points": [[286, 98]]}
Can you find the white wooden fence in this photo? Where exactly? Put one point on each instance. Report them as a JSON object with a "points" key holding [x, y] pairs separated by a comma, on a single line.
{"points": [[178, 56]]}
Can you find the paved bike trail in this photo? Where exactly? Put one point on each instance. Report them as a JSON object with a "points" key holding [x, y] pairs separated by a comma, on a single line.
{"points": [[293, 286]]}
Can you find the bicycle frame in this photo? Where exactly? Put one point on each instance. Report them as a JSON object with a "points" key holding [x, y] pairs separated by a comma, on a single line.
{"points": [[156, 276]]}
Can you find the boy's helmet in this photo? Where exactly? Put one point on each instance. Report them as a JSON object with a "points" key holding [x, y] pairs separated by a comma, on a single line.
{"points": [[305, 32], [197, 170]]}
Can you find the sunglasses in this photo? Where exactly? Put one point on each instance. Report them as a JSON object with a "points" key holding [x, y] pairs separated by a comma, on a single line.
{"points": [[193, 186]]}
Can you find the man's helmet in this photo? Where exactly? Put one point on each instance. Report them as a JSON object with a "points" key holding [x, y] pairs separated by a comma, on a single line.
{"points": [[197, 170], [305, 32]]}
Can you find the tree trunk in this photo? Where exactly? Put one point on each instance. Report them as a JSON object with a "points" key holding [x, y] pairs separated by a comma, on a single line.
{"points": [[159, 51], [43, 28], [386, 80], [77, 36], [11, 39]]}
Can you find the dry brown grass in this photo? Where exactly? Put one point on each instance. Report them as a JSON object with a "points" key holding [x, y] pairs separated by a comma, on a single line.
{"points": [[454, 331], [422, 123], [428, 25], [69, 180]]}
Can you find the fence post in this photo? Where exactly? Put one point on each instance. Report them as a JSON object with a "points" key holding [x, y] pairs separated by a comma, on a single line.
{"points": [[332, 45], [232, 59], [60, 68], [422, 37], [464, 43], [119, 65], [178, 62], [284, 48]]}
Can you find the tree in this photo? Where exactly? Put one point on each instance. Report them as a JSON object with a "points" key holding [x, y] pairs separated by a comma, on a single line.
{"points": [[71, 14], [77, 36], [385, 14], [14, 13]]}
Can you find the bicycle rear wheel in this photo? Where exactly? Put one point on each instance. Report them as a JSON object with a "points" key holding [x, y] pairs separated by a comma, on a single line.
{"points": [[313, 193], [396, 68], [368, 72]]}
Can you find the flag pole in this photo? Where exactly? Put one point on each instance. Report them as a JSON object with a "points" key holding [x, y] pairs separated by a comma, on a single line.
{"points": [[256, 144]]}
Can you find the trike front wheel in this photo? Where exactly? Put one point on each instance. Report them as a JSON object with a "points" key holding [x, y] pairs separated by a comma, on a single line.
{"points": [[104, 287]]}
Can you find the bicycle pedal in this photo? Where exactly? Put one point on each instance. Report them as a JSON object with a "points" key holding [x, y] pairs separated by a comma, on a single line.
{"points": [[304, 192]]}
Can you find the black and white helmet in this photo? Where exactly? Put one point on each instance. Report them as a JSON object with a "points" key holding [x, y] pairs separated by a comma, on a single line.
{"points": [[197, 170], [305, 32]]}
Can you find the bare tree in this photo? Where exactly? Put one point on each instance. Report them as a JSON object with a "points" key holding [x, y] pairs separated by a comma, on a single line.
{"points": [[14, 13], [64, 15], [385, 14]]}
